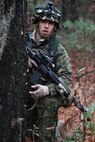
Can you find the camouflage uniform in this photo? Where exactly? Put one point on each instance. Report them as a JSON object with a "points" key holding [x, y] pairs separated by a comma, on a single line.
{"points": [[44, 115]]}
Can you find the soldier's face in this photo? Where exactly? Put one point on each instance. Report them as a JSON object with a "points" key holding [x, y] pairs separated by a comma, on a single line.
{"points": [[46, 28]]}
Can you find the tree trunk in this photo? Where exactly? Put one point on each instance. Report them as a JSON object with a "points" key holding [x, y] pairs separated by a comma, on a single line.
{"points": [[12, 69]]}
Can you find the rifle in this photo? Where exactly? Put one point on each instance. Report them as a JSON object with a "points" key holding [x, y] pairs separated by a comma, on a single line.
{"points": [[46, 71]]}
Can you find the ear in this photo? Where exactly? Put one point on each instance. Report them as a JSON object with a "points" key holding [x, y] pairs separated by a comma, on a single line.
{"points": [[55, 28]]}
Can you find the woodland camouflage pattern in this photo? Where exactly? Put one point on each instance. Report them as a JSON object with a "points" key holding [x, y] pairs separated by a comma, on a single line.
{"points": [[46, 109], [63, 68]]}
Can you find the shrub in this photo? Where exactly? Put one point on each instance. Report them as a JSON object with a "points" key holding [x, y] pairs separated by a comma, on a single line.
{"points": [[78, 35]]}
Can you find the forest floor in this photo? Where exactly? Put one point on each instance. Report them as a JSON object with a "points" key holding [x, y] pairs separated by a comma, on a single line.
{"points": [[72, 118]]}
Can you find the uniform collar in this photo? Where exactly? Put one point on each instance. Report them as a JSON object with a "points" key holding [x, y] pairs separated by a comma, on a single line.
{"points": [[34, 35]]}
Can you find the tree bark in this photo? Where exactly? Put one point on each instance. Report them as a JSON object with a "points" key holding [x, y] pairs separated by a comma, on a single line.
{"points": [[13, 63]]}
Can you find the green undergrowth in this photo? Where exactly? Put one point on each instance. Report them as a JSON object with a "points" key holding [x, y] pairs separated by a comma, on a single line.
{"points": [[88, 122], [78, 35]]}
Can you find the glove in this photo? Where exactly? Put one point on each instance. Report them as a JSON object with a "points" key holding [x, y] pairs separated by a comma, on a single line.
{"points": [[31, 63], [39, 91], [59, 87]]}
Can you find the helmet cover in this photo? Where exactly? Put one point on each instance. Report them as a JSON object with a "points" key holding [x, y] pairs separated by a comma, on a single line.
{"points": [[48, 12]]}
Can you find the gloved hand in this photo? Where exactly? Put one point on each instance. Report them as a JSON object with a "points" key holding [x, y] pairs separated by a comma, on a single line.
{"points": [[31, 63], [39, 91], [59, 87]]}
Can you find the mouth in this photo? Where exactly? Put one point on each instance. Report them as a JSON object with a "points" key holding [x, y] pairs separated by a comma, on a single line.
{"points": [[45, 32]]}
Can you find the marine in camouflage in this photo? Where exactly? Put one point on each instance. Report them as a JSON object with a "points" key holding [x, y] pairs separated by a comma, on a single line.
{"points": [[44, 114]]}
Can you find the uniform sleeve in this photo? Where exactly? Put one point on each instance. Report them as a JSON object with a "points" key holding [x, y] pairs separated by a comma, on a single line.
{"points": [[63, 69]]}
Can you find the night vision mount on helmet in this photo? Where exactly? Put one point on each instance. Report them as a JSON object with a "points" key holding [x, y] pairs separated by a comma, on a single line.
{"points": [[48, 12]]}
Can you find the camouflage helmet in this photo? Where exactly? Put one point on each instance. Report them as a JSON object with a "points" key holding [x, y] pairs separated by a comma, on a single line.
{"points": [[48, 12]]}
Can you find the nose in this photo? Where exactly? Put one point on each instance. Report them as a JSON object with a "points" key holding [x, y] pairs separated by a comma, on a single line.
{"points": [[46, 25]]}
